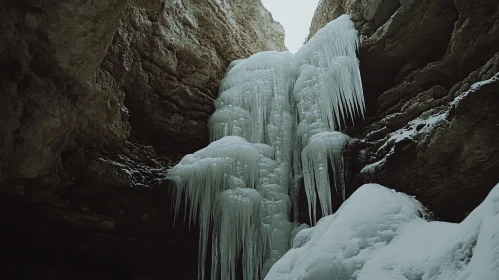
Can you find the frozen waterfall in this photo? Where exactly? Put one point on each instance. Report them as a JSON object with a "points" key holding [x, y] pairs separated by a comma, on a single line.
{"points": [[276, 122]]}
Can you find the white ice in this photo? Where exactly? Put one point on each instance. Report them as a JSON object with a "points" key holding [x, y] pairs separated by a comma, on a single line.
{"points": [[214, 181], [380, 234], [328, 89], [275, 122], [327, 92]]}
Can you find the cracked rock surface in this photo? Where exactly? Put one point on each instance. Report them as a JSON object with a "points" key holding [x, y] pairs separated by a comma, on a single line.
{"points": [[429, 71]]}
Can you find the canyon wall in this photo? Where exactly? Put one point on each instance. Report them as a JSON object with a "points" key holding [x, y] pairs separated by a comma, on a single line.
{"points": [[98, 99], [430, 131]]}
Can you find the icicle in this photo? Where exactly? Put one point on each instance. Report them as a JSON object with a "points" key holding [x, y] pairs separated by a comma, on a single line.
{"points": [[328, 89], [323, 150], [239, 233], [229, 163]]}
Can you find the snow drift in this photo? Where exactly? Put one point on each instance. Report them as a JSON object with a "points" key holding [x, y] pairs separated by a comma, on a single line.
{"points": [[379, 234]]}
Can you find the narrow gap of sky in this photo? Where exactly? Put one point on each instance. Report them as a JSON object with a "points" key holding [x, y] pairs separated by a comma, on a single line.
{"points": [[295, 16]]}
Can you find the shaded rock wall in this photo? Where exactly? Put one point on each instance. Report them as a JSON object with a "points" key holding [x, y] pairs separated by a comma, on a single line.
{"points": [[169, 58], [416, 58], [98, 98]]}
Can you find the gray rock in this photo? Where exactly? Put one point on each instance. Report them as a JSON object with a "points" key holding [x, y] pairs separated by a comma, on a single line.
{"points": [[414, 62], [98, 99]]}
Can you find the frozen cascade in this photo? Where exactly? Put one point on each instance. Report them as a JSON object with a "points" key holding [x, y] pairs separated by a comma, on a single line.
{"points": [[276, 121]]}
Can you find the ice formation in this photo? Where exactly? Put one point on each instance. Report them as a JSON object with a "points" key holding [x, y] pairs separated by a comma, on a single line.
{"points": [[276, 121], [387, 238], [323, 148]]}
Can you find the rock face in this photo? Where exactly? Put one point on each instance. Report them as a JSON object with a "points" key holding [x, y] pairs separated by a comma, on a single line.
{"points": [[169, 58], [97, 99], [431, 128]]}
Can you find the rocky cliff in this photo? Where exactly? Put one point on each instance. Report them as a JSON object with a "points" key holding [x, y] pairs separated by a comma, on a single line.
{"points": [[429, 71], [97, 99]]}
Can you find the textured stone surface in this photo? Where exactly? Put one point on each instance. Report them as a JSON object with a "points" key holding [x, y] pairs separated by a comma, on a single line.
{"points": [[169, 59], [98, 99], [414, 62], [48, 54]]}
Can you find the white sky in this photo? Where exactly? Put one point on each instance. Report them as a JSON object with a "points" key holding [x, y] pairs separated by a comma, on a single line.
{"points": [[295, 16]]}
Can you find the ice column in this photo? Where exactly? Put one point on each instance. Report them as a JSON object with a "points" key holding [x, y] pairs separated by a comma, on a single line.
{"points": [[328, 91]]}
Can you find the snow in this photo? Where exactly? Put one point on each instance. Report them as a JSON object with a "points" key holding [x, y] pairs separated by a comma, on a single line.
{"points": [[369, 171], [414, 128], [276, 117], [428, 123], [422, 125], [475, 87], [370, 168], [380, 234]]}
